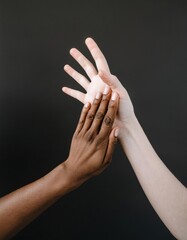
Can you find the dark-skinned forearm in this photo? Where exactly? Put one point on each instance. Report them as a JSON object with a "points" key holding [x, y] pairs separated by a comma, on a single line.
{"points": [[20, 207]]}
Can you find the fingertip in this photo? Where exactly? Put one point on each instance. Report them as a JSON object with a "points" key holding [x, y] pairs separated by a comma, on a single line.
{"points": [[88, 39], [114, 136], [66, 67], [106, 90], [98, 95], [114, 96], [116, 132], [86, 105], [72, 50], [64, 89]]}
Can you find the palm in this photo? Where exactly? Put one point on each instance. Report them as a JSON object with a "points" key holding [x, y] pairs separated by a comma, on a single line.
{"points": [[95, 83]]}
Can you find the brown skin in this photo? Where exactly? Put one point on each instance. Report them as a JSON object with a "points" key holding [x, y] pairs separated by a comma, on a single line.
{"points": [[94, 138], [91, 150]]}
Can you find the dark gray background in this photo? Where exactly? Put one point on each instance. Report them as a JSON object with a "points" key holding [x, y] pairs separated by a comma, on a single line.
{"points": [[145, 44]]}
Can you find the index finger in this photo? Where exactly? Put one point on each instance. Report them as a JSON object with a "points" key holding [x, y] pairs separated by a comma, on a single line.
{"points": [[97, 55]]}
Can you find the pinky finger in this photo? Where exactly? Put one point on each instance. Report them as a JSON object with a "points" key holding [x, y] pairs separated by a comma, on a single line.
{"points": [[111, 145], [74, 93]]}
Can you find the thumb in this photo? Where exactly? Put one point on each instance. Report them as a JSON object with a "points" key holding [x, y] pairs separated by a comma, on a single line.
{"points": [[111, 145], [109, 79]]}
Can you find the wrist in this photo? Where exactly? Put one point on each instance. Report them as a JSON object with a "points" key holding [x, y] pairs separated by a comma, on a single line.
{"points": [[71, 175], [133, 139], [128, 127], [60, 181]]}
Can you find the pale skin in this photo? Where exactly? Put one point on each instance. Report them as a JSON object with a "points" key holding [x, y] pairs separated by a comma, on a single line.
{"points": [[94, 132], [165, 192]]}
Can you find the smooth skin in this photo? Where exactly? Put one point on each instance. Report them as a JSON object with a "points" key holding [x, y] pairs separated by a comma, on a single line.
{"points": [[165, 192], [91, 151]]}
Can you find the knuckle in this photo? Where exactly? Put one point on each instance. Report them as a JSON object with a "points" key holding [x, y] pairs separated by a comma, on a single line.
{"points": [[76, 135], [105, 98], [81, 122], [101, 142], [112, 105], [99, 115], [115, 78], [95, 102], [84, 111], [90, 116], [102, 138], [90, 136], [108, 121]]}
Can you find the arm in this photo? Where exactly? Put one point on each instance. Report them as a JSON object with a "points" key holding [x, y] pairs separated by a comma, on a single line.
{"points": [[166, 194], [94, 132]]}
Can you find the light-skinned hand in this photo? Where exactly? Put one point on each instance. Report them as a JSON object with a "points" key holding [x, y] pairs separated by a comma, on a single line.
{"points": [[97, 80]]}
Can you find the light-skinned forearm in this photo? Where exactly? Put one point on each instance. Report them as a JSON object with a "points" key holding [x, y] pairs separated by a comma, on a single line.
{"points": [[20, 207], [166, 194]]}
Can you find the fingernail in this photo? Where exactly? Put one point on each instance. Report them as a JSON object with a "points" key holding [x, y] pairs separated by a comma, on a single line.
{"points": [[106, 90], [98, 95], [116, 133], [114, 96], [86, 105]]}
